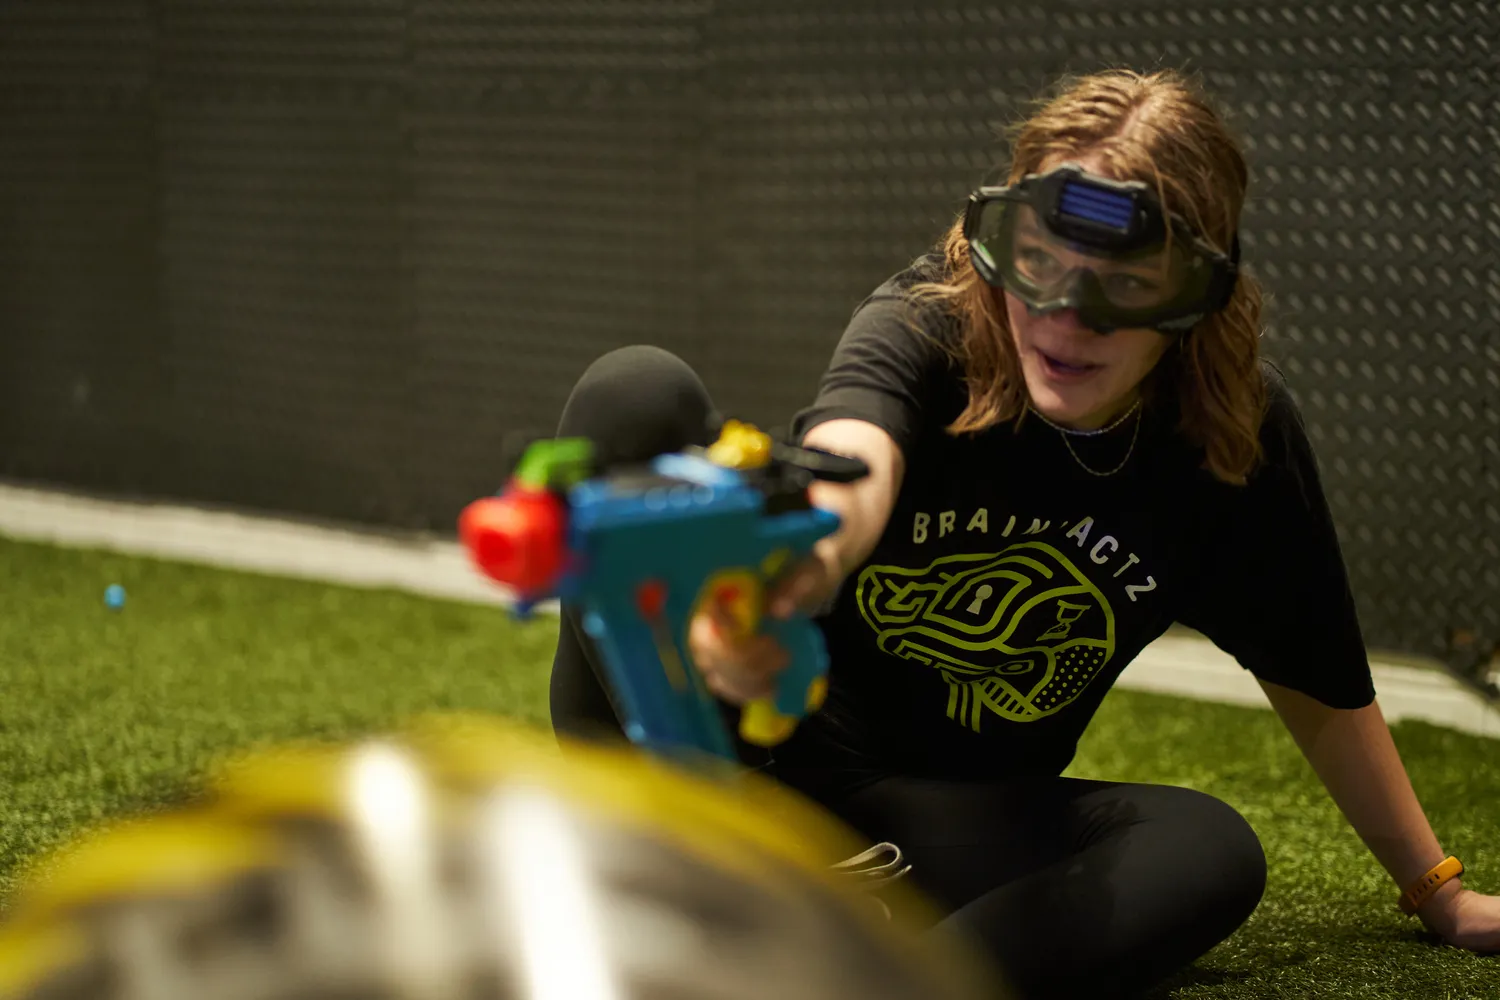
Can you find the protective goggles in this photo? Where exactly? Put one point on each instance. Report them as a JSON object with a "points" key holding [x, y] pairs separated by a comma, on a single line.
{"points": [[1069, 239]]}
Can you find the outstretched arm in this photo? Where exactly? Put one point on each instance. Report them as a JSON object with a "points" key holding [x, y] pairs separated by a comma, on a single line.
{"points": [[1352, 752], [863, 507]]}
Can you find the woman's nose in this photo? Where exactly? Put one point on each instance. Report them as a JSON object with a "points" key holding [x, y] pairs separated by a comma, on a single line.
{"points": [[1064, 321]]}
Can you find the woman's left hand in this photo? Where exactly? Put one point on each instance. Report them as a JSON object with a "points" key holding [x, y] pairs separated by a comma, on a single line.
{"points": [[1465, 919]]}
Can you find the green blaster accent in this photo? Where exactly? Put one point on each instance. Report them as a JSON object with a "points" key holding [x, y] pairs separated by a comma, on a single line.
{"points": [[557, 464]]}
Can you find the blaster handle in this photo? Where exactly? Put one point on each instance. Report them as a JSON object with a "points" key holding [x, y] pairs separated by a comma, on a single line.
{"points": [[803, 685], [800, 689]]}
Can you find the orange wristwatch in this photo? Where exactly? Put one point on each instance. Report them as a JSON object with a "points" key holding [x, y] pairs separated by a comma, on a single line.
{"points": [[1422, 889]]}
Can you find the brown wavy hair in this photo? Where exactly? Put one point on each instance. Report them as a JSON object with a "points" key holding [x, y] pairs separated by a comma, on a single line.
{"points": [[1158, 128]]}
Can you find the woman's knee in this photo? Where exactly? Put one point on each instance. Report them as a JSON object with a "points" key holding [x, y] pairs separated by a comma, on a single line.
{"points": [[1224, 850], [580, 707], [638, 402]]}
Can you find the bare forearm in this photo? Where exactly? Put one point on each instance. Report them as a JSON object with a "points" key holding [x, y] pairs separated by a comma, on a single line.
{"points": [[1354, 756], [864, 507]]}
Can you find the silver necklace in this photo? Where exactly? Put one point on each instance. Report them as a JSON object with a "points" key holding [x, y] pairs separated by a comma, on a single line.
{"points": [[1075, 432], [1069, 432]]}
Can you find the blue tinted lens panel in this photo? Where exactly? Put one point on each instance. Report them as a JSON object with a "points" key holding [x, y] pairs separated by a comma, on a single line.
{"points": [[1094, 205]]}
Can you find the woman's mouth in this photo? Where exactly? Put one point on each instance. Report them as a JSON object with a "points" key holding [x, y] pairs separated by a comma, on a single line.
{"points": [[1066, 370]]}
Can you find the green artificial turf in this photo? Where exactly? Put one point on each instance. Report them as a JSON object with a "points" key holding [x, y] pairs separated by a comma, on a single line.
{"points": [[1328, 927], [109, 713], [116, 712]]}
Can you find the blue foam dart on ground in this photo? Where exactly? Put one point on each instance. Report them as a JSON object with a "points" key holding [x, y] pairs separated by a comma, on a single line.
{"points": [[114, 596]]}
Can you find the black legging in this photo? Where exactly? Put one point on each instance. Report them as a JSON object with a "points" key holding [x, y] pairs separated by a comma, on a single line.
{"points": [[1076, 888]]}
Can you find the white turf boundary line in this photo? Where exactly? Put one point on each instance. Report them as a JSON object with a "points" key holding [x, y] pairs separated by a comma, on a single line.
{"points": [[1179, 664]]}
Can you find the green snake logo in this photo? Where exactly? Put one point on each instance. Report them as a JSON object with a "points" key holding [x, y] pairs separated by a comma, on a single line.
{"points": [[1019, 633]]}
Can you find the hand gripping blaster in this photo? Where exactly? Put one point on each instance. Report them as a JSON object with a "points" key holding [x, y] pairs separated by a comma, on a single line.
{"points": [[638, 549]]}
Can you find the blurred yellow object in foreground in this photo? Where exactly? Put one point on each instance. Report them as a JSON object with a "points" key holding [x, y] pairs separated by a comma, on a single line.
{"points": [[471, 859]]}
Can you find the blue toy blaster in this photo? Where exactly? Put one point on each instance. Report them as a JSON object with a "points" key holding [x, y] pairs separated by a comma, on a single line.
{"points": [[639, 549]]}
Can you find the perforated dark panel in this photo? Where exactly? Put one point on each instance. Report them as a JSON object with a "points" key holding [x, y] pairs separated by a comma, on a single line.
{"points": [[554, 157], [321, 256], [79, 358], [281, 158], [264, 51], [286, 307], [844, 140]]}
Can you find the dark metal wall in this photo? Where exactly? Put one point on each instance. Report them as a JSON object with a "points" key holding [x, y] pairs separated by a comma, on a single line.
{"points": [[320, 256]]}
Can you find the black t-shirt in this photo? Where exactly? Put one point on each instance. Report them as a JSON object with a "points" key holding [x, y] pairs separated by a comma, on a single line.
{"points": [[1011, 587]]}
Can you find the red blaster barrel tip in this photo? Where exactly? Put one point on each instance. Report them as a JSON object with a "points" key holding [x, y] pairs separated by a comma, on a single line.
{"points": [[517, 538]]}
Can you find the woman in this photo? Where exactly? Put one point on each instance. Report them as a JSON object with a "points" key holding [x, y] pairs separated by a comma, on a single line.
{"points": [[1072, 445]]}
